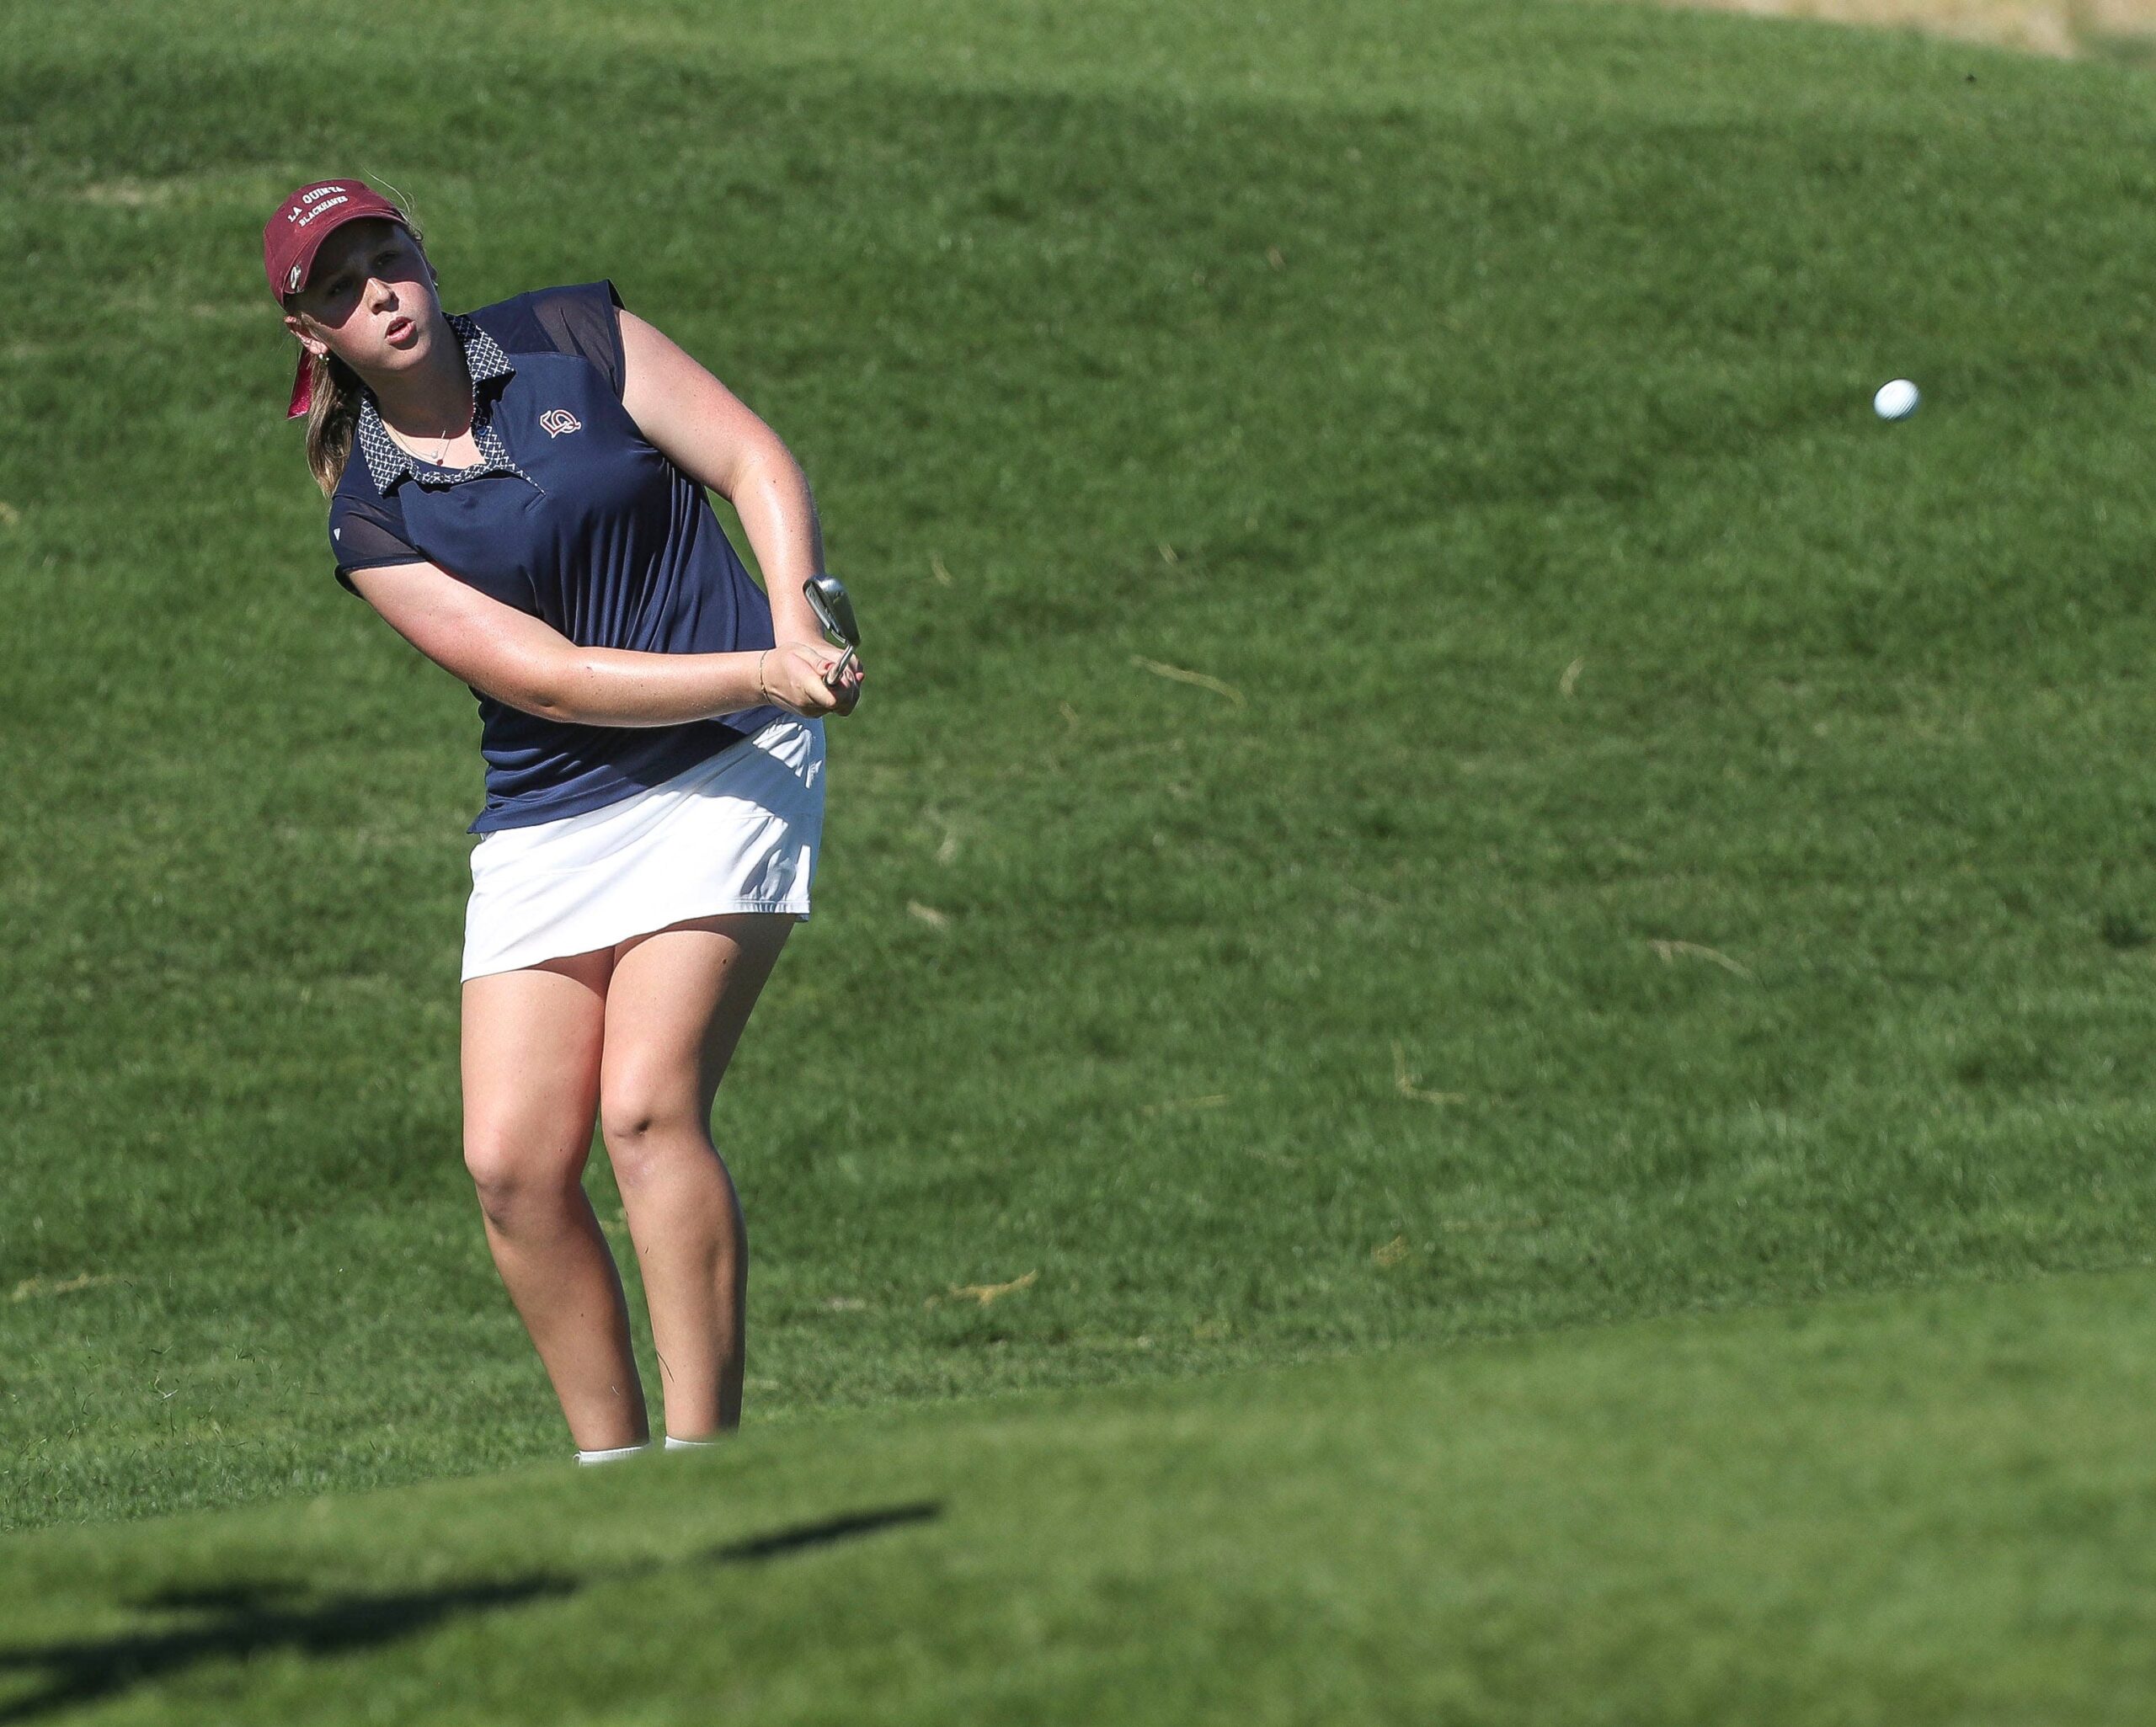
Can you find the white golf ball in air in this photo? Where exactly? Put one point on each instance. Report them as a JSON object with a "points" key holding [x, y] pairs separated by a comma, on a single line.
{"points": [[1895, 400]]}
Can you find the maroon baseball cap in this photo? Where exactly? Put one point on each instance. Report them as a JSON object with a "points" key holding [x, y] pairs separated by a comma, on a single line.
{"points": [[291, 237]]}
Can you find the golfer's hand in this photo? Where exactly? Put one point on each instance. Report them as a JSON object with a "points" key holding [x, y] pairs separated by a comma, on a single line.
{"points": [[796, 673]]}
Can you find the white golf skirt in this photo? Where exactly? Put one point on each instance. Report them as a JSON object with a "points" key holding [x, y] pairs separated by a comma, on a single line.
{"points": [[737, 832]]}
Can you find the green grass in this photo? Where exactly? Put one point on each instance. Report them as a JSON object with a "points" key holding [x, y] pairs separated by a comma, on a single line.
{"points": [[1906, 1509], [1739, 808]]}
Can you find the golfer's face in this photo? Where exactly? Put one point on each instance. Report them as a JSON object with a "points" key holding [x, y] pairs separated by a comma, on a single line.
{"points": [[370, 296]]}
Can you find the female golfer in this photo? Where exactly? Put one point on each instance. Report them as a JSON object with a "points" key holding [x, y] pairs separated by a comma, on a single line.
{"points": [[518, 491]]}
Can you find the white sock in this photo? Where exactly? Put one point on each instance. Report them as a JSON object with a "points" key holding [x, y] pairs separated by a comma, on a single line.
{"points": [[674, 1444], [608, 1457]]}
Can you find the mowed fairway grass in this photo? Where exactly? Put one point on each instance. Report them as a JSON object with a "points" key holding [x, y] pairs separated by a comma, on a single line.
{"points": [[1431, 774], [1921, 1509]]}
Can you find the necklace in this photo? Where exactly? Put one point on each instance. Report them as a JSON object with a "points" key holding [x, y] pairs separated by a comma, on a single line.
{"points": [[441, 446]]}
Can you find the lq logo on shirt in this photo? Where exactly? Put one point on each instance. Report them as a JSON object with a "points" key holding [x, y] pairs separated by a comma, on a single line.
{"points": [[558, 420]]}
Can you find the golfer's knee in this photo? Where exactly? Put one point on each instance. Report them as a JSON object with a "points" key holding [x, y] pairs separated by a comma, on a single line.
{"points": [[646, 1133], [516, 1178]]}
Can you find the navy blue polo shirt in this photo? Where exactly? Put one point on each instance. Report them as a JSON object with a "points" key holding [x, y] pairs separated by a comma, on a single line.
{"points": [[569, 515]]}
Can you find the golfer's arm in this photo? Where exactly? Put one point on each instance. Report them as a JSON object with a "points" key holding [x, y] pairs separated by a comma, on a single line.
{"points": [[712, 436], [525, 661], [619, 686], [778, 513]]}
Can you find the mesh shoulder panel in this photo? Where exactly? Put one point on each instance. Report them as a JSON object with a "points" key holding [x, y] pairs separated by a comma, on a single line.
{"points": [[364, 534], [581, 320]]}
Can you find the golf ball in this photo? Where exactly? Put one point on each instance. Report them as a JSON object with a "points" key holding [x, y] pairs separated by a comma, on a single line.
{"points": [[1895, 400]]}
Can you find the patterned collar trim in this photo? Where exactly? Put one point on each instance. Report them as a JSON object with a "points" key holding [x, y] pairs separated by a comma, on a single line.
{"points": [[388, 462]]}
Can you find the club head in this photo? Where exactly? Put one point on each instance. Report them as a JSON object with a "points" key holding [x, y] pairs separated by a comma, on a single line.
{"points": [[827, 598]]}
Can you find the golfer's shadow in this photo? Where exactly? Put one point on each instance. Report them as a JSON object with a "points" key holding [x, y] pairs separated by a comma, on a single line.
{"points": [[245, 1619]]}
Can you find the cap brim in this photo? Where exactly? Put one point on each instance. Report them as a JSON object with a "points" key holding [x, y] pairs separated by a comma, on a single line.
{"points": [[305, 261]]}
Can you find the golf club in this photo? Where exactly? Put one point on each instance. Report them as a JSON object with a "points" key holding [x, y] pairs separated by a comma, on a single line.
{"points": [[827, 599]]}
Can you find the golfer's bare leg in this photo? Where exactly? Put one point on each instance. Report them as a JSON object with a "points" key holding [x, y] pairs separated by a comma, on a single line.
{"points": [[675, 1007], [531, 1059]]}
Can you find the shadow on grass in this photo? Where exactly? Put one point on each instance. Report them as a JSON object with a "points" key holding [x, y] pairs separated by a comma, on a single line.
{"points": [[251, 1619]]}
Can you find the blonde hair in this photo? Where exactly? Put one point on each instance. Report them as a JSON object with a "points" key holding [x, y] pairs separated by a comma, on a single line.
{"points": [[333, 413]]}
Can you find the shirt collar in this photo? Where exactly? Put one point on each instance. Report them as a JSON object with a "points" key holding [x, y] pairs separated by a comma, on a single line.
{"points": [[388, 462]]}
